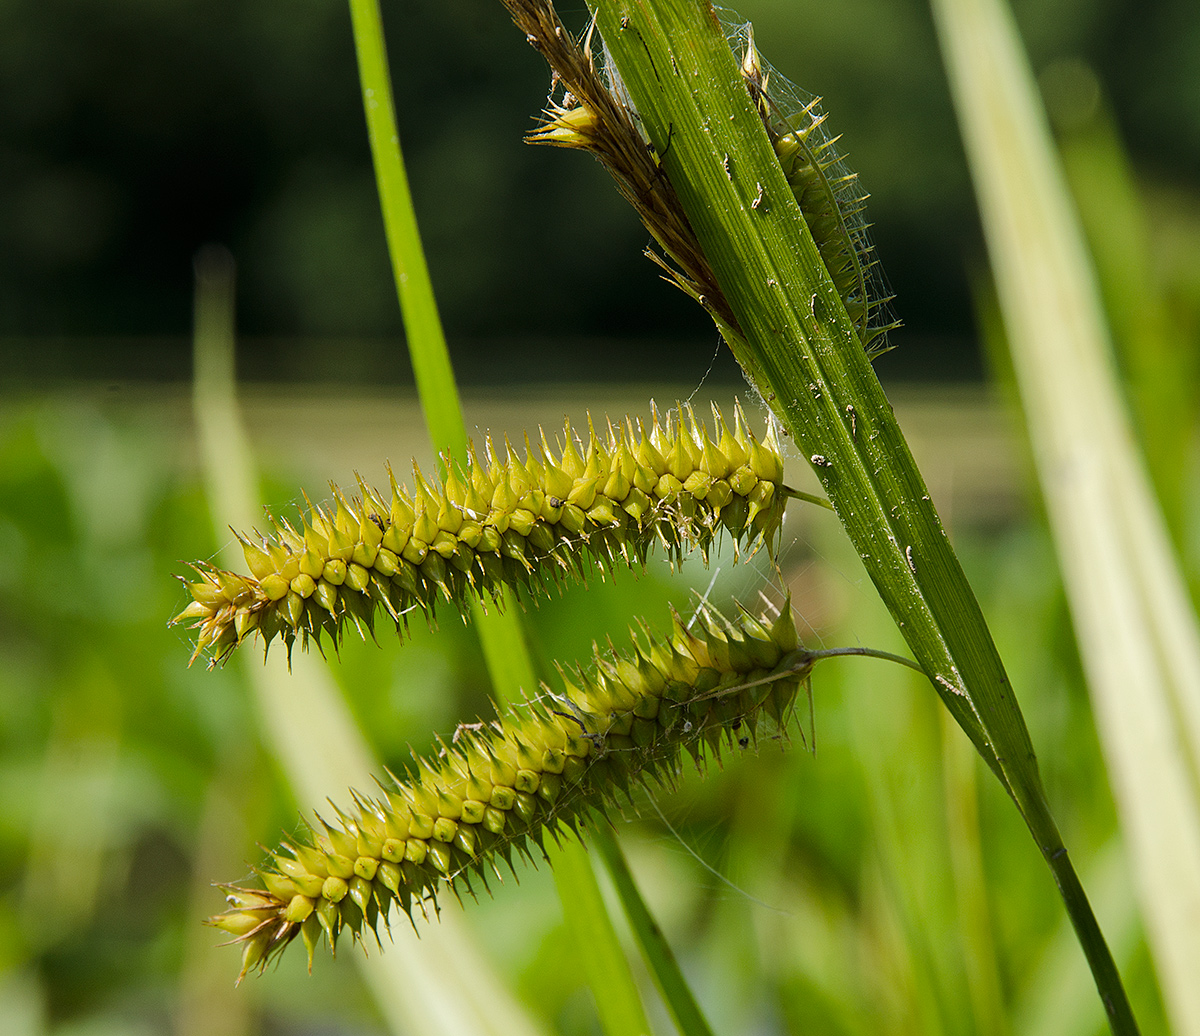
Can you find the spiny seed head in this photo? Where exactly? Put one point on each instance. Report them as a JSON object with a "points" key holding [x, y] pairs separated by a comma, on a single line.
{"points": [[528, 521], [826, 191], [622, 721]]}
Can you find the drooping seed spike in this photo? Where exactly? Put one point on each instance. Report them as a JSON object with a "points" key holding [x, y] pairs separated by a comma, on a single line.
{"points": [[547, 768], [530, 521]]}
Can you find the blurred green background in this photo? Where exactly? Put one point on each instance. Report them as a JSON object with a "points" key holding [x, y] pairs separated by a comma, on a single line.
{"points": [[134, 131], [846, 892]]}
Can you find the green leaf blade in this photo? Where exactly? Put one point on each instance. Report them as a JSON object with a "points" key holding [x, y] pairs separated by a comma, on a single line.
{"points": [[1135, 625], [801, 350]]}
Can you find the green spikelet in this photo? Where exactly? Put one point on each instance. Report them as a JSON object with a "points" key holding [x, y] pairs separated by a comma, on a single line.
{"points": [[623, 721], [529, 522], [826, 191]]}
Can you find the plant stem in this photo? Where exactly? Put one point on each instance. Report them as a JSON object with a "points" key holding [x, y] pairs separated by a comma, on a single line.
{"points": [[809, 498], [801, 349], [658, 953], [1091, 938], [863, 652], [500, 630], [618, 1002], [426, 340]]}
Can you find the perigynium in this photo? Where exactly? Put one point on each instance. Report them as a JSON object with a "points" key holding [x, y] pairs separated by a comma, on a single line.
{"points": [[528, 522], [623, 722]]}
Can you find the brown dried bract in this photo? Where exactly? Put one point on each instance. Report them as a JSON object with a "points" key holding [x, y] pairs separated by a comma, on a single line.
{"points": [[593, 118]]}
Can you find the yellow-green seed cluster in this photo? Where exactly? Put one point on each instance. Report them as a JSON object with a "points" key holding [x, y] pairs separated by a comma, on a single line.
{"points": [[623, 721], [527, 522], [828, 196]]}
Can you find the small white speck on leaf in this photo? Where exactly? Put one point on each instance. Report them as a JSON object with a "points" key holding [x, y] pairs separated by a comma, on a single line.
{"points": [[950, 686]]}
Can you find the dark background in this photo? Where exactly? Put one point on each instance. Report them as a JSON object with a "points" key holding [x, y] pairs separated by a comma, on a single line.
{"points": [[134, 131]]}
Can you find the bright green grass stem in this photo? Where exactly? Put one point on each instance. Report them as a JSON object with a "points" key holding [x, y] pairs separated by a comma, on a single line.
{"points": [[499, 631], [664, 968], [509, 663], [802, 352]]}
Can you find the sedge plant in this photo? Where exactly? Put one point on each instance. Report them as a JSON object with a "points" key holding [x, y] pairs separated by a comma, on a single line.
{"points": [[798, 334], [755, 218]]}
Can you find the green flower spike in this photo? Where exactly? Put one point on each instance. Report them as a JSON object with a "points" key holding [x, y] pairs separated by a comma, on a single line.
{"points": [[556, 761], [826, 191], [529, 522]]}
